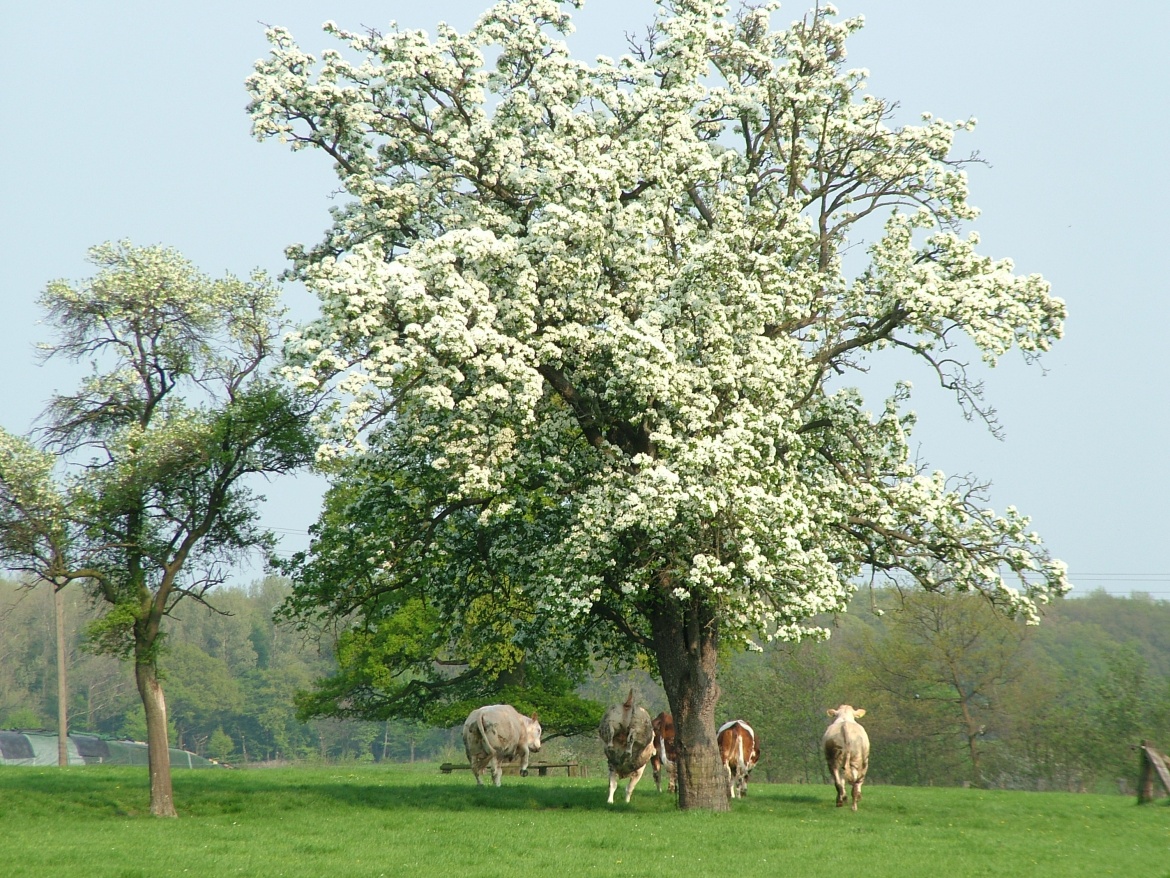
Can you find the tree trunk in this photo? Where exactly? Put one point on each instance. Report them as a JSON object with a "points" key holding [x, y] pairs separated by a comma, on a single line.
{"points": [[972, 730], [686, 638], [162, 800], [973, 749], [62, 680]]}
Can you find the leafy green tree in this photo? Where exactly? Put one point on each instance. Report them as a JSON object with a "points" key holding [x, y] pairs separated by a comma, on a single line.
{"points": [[178, 412], [220, 745], [584, 327], [946, 659]]}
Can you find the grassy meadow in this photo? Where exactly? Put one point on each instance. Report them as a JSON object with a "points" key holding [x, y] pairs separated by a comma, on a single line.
{"points": [[369, 821]]}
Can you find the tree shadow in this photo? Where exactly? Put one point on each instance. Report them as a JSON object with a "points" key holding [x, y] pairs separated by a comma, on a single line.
{"points": [[799, 798], [446, 797]]}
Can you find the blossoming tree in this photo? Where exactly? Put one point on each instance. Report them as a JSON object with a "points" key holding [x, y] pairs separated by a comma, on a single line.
{"points": [[585, 323], [149, 502]]}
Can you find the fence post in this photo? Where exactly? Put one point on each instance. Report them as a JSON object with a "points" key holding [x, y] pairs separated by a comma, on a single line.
{"points": [[1152, 763]]}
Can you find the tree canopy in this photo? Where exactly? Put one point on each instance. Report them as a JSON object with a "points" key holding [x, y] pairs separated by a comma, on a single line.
{"points": [[587, 331]]}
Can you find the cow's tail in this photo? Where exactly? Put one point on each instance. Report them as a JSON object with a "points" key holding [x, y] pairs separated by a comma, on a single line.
{"points": [[740, 761], [849, 768], [628, 721], [483, 733]]}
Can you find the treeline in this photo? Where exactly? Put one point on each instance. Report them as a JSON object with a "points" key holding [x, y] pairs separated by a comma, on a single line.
{"points": [[954, 693], [230, 674]]}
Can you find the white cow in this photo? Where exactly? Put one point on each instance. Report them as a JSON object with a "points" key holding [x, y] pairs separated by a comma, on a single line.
{"points": [[499, 733], [846, 751], [628, 738]]}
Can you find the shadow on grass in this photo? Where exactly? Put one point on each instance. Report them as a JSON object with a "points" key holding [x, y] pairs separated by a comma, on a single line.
{"points": [[121, 792], [57, 791], [534, 796], [800, 798], [446, 797]]}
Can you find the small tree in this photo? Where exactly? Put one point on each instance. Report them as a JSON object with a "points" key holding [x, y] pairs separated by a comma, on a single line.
{"points": [[948, 661], [220, 745], [588, 322], [178, 411]]}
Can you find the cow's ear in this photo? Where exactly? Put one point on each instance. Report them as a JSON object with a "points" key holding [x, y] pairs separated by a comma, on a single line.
{"points": [[832, 711], [534, 719], [859, 713]]}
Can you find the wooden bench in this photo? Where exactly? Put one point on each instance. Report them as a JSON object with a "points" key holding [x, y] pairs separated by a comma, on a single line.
{"points": [[541, 769]]}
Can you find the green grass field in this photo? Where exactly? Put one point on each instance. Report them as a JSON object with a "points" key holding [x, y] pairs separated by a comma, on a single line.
{"points": [[371, 821]]}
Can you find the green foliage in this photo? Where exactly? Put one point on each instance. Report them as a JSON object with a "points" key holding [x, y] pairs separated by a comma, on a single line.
{"points": [[22, 718], [955, 693], [201, 690], [220, 745], [112, 632], [943, 662], [1084, 699], [415, 648], [133, 726]]}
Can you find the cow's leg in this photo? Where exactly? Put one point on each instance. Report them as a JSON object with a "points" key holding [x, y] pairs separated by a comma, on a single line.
{"points": [[730, 780], [656, 767], [613, 781], [634, 778], [672, 773], [741, 770], [497, 771], [856, 793], [524, 764], [839, 783]]}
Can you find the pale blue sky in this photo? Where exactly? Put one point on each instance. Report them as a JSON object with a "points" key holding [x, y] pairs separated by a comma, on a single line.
{"points": [[126, 120]]}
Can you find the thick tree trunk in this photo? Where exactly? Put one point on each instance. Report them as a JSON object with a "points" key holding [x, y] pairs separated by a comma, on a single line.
{"points": [[162, 800], [686, 640]]}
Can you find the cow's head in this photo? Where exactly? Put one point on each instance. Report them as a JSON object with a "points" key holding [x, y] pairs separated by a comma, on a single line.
{"points": [[846, 713], [532, 733]]}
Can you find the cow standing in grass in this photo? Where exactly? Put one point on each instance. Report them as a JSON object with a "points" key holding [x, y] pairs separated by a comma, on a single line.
{"points": [[499, 733], [628, 738], [665, 750], [846, 751], [740, 751]]}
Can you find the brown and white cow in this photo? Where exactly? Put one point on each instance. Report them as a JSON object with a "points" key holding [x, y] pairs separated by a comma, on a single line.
{"points": [[740, 751], [846, 751], [665, 750], [628, 738], [499, 733]]}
